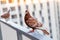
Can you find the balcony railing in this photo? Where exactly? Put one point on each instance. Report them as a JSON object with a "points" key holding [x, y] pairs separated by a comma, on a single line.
{"points": [[12, 31]]}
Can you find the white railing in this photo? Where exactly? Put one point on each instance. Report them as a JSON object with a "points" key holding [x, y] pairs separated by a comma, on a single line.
{"points": [[12, 31]]}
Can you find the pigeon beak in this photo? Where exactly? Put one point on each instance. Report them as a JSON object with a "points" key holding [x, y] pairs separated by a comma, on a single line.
{"points": [[26, 11]]}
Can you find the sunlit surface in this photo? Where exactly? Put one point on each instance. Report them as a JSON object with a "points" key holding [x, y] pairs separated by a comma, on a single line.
{"points": [[11, 1]]}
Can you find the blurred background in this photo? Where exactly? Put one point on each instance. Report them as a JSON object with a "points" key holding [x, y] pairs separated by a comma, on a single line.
{"points": [[46, 11]]}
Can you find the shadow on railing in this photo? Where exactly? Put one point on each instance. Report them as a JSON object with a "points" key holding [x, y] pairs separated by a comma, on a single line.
{"points": [[12, 31]]}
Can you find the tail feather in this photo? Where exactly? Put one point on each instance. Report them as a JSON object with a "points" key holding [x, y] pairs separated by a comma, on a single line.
{"points": [[44, 31]]}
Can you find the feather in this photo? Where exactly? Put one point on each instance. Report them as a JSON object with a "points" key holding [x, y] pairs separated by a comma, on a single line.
{"points": [[33, 23], [6, 15]]}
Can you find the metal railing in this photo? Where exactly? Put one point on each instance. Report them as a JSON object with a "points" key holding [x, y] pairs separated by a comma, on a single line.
{"points": [[12, 31]]}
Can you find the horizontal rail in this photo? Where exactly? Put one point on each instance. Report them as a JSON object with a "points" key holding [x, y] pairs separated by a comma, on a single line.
{"points": [[20, 31]]}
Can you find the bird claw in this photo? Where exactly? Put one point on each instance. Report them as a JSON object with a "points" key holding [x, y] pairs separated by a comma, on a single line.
{"points": [[31, 31]]}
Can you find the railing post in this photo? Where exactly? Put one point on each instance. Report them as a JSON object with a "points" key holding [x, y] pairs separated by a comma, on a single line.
{"points": [[0, 32], [19, 35]]}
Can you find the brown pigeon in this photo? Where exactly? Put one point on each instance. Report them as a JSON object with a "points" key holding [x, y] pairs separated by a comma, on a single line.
{"points": [[33, 23], [6, 15]]}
